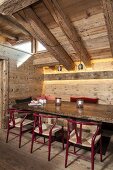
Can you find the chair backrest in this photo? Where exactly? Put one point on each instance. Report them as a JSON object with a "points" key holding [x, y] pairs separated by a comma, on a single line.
{"points": [[40, 119], [80, 129], [86, 99], [13, 115]]}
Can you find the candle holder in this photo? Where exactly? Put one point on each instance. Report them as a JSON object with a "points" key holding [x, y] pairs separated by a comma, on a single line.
{"points": [[79, 103], [57, 101]]}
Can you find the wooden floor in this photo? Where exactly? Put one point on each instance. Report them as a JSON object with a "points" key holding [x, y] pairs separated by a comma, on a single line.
{"points": [[13, 158]]}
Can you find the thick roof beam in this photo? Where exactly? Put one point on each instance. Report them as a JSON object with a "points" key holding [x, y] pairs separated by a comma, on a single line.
{"points": [[38, 30], [13, 23], [70, 31]]}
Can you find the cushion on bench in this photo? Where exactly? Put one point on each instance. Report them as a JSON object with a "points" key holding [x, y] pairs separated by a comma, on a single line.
{"points": [[28, 99], [86, 99]]}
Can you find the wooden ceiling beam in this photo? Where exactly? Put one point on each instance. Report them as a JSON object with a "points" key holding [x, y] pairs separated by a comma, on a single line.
{"points": [[70, 31], [8, 35], [39, 31], [44, 59], [13, 23], [108, 14], [8, 7], [49, 39]]}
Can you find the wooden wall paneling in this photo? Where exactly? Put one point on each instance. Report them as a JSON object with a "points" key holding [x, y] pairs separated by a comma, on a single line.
{"points": [[108, 14], [101, 53], [70, 31], [47, 37], [97, 43], [83, 8], [57, 51], [57, 32], [102, 89], [24, 81], [94, 35], [9, 7], [1, 104], [91, 82]]}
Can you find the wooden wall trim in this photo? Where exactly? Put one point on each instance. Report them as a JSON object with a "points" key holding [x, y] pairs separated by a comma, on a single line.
{"points": [[80, 76]]}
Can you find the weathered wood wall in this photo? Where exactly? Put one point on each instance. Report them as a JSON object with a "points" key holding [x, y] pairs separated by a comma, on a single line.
{"points": [[17, 82], [0, 92], [24, 81], [3, 91], [91, 82]]}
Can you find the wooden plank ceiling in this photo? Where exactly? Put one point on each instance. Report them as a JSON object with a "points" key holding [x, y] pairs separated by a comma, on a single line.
{"points": [[71, 30]]}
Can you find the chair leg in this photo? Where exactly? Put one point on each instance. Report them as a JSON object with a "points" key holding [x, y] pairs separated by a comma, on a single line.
{"points": [[32, 141], [49, 147], [66, 156], [74, 149], [92, 158], [62, 138], [101, 149], [20, 137], [7, 134], [44, 140]]}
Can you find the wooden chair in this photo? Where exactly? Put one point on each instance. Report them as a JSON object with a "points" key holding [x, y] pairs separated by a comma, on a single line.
{"points": [[18, 119], [85, 135], [42, 128]]}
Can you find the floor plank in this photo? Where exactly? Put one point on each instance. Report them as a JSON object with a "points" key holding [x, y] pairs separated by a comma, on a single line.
{"points": [[13, 158]]}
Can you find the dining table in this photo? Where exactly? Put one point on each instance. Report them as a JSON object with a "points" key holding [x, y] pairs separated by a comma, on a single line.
{"points": [[69, 110]]}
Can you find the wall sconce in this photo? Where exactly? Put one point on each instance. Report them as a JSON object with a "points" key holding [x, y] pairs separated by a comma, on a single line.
{"points": [[80, 66], [59, 68]]}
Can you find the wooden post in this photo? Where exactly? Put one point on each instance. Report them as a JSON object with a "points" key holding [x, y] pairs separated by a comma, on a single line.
{"points": [[0, 92], [3, 92], [33, 45]]}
